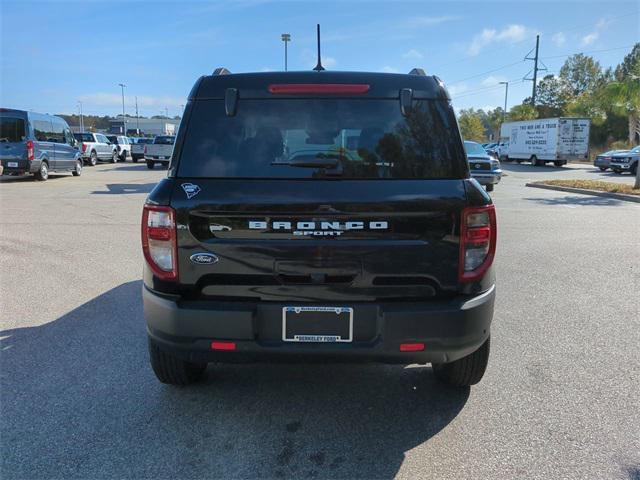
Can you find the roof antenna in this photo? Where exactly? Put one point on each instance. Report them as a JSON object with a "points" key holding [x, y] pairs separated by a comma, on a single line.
{"points": [[318, 67]]}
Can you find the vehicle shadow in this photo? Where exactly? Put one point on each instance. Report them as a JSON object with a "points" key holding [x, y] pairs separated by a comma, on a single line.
{"points": [[79, 400], [584, 200], [131, 167], [125, 188], [527, 167]]}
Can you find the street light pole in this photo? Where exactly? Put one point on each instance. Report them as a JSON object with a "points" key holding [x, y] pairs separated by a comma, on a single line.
{"points": [[286, 38], [137, 118], [506, 92], [81, 117], [124, 125]]}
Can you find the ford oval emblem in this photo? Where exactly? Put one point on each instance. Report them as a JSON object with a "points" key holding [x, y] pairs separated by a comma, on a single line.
{"points": [[204, 258]]}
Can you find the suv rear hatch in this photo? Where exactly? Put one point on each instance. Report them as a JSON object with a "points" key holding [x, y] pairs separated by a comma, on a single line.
{"points": [[13, 140], [317, 198]]}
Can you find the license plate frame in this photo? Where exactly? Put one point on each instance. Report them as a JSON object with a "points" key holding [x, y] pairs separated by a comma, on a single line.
{"points": [[326, 337]]}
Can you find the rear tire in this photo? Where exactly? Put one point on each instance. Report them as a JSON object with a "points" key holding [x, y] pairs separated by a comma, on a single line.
{"points": [[114, 156], [93, 158], [489, 187], [172, 370], [534, 161], [558, 163], [467, 371], [150, 165], [602, 169], [134, 159], [123, 157], [43, 173], [78, 170]]}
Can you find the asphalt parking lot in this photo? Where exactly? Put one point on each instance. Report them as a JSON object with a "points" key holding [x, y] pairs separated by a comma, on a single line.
{"points": [[561, 397]]}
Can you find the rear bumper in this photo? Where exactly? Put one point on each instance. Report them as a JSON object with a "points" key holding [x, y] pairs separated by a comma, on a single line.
{"points": [[450, 330], [23, 167]]}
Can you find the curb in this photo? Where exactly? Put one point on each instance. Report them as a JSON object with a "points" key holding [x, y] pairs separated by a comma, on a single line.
{"points": [[596, 193]]}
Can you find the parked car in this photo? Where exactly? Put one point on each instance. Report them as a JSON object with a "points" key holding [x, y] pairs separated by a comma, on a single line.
{"points": [[603, 161], [37, 144], [159, 151], [137, 147], [274, 235], [626, 161], [483, 167], [123, 145], [96, 146]]}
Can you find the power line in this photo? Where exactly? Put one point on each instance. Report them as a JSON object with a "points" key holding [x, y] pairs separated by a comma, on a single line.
{"points": [[588, 51], [484, 73]]}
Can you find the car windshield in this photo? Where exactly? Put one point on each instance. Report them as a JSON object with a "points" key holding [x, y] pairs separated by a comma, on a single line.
{"points": [[164, 140], [316, 138], [12, 129], [473, 148]]}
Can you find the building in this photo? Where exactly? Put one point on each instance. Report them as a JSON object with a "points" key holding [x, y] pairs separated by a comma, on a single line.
{"points": [[144, 126]]}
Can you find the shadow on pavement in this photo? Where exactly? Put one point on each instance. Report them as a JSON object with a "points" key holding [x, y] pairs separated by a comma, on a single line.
{"points": [[120, 188], [527, 167], [79, 400], [132, 167], [584, 200]]}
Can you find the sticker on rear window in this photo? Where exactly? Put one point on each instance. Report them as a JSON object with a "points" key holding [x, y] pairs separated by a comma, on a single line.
{"points": [[190, 189]]}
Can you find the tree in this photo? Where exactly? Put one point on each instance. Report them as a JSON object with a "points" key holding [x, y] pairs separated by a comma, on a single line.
{"points": [[471, 126], [553, 94], [581, 73], [522, 112], [494, 119]]}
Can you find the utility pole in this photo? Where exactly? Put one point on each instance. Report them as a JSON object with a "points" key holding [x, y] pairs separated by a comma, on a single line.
{"points": [[81, 117], [166, 112], [124, 124], [137, 118], [286, 38], [506, 93], [536, 69]]}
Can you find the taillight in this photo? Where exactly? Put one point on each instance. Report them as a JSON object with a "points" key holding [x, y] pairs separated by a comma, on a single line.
{"points": [[145, 149], [84, 147], [478, 235], [31, 155], [159, 243]]}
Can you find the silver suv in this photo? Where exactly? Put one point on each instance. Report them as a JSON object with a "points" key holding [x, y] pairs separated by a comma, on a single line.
{"points": [[96, 146], [123, 145]]}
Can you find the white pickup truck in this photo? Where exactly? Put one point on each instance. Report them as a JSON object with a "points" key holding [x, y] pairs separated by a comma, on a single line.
{"points": [[159, 151]]}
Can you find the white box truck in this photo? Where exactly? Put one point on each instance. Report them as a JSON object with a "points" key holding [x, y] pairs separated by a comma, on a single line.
{"points": [[556, 140]]}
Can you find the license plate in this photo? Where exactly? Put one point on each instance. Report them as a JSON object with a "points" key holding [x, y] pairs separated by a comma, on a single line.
{"points": [[12, 164], [317, 324], [162, 158]]}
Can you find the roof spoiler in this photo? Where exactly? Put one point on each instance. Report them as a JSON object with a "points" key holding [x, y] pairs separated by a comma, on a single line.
{"points": [[221, 71], [417, 71]]}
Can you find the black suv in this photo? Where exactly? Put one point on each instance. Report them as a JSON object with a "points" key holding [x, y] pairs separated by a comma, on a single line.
{"points": [[319, 215]]}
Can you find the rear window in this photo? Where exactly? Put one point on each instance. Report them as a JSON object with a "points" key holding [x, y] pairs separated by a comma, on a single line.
{"points": [[83, 137], [164, 140], [317, 138], [12, 129]]}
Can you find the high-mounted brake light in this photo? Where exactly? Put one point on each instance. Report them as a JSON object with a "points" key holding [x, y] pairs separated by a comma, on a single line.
{"points": [[478, 234], [302, 88], [31, 155], [159, 243]]}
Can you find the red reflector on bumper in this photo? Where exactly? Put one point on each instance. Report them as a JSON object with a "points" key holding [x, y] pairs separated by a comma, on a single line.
{"points": [[411, 347], [223, 345]]}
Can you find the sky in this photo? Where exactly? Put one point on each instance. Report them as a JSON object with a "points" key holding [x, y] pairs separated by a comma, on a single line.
{"points": [[55, 54]]}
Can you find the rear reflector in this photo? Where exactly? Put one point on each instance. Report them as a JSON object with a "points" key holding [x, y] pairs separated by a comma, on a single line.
{"points": [[411, 347], [299, 88], [218, 345]]}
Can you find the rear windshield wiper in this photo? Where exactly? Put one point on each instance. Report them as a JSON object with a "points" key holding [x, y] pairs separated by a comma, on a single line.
{"points": [[321, 160]]}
